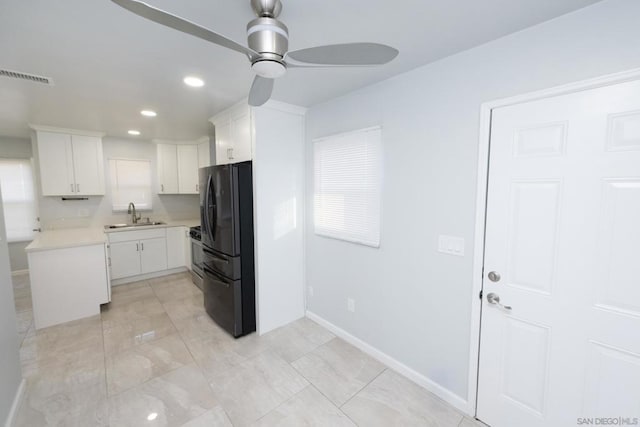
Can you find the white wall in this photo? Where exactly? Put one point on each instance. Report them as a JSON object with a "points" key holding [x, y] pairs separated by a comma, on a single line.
{"points": [[412, 302], [278, 169], [97, 211], [10, 373]]}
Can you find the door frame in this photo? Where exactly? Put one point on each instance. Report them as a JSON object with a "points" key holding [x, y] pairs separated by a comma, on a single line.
{"points": [[486, 109]]}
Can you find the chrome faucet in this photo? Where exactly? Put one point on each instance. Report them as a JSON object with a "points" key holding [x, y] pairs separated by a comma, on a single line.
{"points": [[132, 210]]}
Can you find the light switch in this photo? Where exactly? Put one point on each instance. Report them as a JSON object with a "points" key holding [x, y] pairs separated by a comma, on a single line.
{"points": [[451, 245]]}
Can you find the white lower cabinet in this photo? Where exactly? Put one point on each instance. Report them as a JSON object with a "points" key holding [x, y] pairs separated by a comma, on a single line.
{"points": [[137, 252], [176, 249]]}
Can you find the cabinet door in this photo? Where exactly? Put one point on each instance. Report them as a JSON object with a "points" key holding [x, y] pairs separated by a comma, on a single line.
{"points": [[223, 143], [204, 154], [125, 259], [55, 159], [241, 137], [167, 169], [88, 165], [188, 169], [153, 255], [175, 247]]}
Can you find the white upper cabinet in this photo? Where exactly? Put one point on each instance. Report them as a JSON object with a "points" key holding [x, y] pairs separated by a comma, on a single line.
{"points": [[167, 169], [233, 134], [187, 169], [178, 168], [70, 164]]}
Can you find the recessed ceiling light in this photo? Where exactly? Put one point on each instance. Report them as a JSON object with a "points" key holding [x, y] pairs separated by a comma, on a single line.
{"points": [[193, 81], [134, 132], [148, 113]]}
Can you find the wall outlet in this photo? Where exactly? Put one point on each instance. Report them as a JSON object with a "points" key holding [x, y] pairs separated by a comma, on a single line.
{"points": [[310, 291], [351, 305]]}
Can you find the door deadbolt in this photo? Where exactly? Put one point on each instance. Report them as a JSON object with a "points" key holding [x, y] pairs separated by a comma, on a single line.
{"points": [[494, 277]]}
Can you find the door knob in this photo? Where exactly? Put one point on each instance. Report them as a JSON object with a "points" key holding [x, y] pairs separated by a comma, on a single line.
{"points": [[494, 276], [494, 299]]}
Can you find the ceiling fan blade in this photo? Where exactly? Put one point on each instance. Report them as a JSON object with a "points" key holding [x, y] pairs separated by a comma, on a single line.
{"points": [[342, 55], [261, 90], [177, 23]]}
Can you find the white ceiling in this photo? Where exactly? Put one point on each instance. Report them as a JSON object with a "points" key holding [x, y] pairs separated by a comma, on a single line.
{"points": [[108, 64]]}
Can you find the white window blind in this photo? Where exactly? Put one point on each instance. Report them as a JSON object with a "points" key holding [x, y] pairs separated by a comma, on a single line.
{"points": [[18, 199], [130, 182], [347, 186]]}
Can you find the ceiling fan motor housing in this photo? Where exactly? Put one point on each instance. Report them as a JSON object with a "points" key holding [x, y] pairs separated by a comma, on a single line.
{"points": [[270, 38]]}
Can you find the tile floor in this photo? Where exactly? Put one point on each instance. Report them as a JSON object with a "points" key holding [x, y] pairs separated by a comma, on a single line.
{"points": [[153, 357]]}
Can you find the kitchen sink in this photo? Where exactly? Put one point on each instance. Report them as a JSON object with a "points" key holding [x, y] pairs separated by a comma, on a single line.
{"points": [[139, 224]]}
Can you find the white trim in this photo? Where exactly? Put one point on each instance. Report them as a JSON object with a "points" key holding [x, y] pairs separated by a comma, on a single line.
{"points": [[67, 130], [284, 107], [430, 385], [19, 272], [130, 279], [15, 406], [481, 201]]}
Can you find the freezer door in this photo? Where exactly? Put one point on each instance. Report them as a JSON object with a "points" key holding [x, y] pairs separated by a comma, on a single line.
{"points": [[223, 301]]}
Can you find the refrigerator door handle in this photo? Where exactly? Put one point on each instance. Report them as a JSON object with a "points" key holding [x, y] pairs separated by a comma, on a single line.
{"points": [[216, 256], [218, 276], [212, 194]]}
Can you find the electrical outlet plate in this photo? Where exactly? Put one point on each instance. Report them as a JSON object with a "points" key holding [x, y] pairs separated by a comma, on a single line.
{"points": [[451, 245], [351, 305]]}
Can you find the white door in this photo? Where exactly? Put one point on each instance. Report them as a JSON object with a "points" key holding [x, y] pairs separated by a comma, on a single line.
{"points": [[175, 247], [125, 259], [563, 234], [153, 255], [167, 169], [188, 169], [204, 158], [55, 159], [88, 165], [223, 143], [241, 137]]}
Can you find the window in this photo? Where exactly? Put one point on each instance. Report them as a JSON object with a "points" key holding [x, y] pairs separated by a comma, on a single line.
{"points": [[130, 182], [347, 183], [18, 199]]}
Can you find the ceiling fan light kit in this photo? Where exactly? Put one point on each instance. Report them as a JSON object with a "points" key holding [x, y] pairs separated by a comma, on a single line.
{"points": [[268, 45]]}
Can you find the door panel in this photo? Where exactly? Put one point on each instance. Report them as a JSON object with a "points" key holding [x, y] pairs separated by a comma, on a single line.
{"points": [[125, 259], [167, 169], [153, 255], [88, 165], [223, 301], [56, 164], [563, 232], [187, 169]]}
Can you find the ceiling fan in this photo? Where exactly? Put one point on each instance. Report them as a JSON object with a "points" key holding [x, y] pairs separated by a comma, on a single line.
{"points": [[268, 41]]}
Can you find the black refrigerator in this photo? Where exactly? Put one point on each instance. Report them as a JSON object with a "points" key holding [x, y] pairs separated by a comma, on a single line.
{"points": [[226, 214]]}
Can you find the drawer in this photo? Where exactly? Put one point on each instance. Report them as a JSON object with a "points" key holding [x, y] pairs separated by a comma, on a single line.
{"points": [[127, 236]]}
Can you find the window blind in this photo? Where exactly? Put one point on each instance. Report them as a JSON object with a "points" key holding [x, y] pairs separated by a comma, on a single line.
{"points": [[130, 182], [18, 199], [347, 186]]}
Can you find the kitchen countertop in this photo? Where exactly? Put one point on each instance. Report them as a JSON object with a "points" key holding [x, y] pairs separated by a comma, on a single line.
{"points": [[74, 237], [66, 238]]}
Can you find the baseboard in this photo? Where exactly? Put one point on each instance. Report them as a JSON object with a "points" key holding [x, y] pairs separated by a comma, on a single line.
{"points": [[430, 385], [19, 272], [125, 280], [15, 406]]}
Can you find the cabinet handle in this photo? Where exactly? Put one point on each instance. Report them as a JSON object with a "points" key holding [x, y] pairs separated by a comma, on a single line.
{"points": [[142, 244], [137, 247], [162, 188], [197, 188], [72, 188], [230, 153], [77, 188]]}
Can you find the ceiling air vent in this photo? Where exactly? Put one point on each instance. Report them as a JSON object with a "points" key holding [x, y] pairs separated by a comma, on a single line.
{"points": [[25, 76]]}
